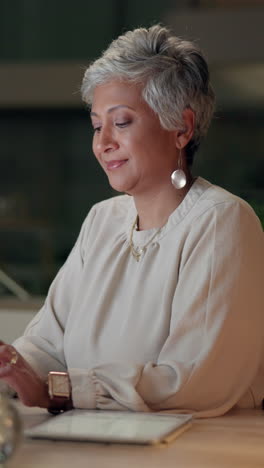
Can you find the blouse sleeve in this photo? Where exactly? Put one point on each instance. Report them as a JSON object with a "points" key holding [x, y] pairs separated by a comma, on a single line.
{"points": [[215, 345], [42, 343]]}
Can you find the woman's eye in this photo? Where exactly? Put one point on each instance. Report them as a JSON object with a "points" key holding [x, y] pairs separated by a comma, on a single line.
{"points": [[96, 129], [123, 124]]}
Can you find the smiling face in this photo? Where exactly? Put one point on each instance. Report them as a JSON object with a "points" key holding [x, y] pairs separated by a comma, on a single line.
{"points": [[136, 153]]}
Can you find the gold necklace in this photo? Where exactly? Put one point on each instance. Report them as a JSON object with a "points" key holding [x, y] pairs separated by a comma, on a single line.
{"points": [[136, 251]]}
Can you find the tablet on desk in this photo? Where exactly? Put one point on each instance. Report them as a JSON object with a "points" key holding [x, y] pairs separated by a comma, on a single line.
{"points": [[112, 427]]}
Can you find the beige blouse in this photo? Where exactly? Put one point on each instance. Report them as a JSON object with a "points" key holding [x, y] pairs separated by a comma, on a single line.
{"points": [[181, 330]]}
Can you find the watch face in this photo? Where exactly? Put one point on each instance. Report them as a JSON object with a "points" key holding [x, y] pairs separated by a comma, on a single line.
{"points": [[59, 385]]}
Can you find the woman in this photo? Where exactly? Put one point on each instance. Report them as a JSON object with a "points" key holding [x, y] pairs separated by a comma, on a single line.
{"points": [[159, 305]]}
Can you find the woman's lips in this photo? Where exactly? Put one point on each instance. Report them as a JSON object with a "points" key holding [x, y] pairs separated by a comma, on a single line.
{"points": [[115, 164]]}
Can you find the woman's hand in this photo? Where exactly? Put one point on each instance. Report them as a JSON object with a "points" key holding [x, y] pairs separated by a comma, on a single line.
{"points": [[19, 375]]}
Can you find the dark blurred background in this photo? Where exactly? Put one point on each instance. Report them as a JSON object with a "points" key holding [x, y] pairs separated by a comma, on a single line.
{"points": [[49, 178]]}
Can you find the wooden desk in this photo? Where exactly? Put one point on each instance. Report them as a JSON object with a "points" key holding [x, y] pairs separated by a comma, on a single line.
{"points": [[235, 440]]}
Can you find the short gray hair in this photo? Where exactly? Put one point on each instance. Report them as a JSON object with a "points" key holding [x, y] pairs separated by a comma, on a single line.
{"points": [[173, 73]]}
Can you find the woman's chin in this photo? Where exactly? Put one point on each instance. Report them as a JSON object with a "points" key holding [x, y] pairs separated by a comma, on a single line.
{"points": [[120, 189], [120, 186]]}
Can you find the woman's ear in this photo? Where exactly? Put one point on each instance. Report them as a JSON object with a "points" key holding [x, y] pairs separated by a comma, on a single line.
{"points": [[183, 136]]}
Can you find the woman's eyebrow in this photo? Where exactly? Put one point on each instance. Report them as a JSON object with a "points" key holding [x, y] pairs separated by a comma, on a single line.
{"points": [[111, 109]]}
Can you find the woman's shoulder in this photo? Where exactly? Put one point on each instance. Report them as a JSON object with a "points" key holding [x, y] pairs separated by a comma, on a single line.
{"points": [[219, 219], [217, 198], [105, 218], [114, 206], [118, 202], [110, 211]]}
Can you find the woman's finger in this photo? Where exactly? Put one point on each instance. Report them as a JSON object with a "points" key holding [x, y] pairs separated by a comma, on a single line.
{"points": [[8, 355]]}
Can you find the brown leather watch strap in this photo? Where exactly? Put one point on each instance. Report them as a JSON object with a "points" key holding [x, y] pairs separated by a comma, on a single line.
{"points": [[59, 405]]}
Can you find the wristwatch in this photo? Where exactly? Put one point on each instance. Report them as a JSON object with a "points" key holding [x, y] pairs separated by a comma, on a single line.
{"points": [[59, 389]]}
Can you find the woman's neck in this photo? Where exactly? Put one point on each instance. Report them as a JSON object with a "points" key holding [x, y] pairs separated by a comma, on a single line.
{"points": [[155, 208]]}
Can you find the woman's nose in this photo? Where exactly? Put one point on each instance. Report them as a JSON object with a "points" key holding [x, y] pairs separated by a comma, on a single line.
{"points": [[106, 141]]}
